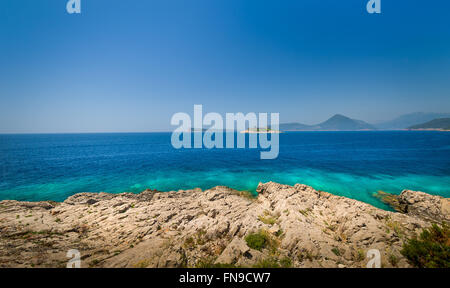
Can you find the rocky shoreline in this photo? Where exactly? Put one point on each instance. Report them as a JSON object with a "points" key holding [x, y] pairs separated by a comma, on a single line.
{"points": [[286, 226]]}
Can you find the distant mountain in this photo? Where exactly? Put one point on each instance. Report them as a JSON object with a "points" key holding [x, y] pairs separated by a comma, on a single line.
{"points": [[441, 123], [340, 122], [336, 123], [409, 120]]}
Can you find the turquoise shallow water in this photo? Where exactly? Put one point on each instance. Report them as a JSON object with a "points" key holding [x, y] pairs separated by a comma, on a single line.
{"points": [[351, 164]]}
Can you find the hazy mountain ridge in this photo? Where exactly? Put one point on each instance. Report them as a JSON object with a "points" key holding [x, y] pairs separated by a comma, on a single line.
{"points": [[336, 123], [440, 123], [342, 123], [411, 119]]}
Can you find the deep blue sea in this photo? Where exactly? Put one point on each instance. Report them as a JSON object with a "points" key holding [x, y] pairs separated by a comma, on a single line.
{"points": [[352, 164]]}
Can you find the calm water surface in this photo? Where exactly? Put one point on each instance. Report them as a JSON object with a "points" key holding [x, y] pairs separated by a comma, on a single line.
{"points": [[352, 164]]}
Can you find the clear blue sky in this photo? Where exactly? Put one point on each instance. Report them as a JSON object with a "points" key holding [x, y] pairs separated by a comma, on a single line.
{"points": [[129, 65]]}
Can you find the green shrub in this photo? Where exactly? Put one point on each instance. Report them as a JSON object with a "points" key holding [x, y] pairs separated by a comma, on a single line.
{"points": [[210, 264], [393, 260], [189, 242], [267, 263], [305, 212], [257, 241], [200, 237], [286, 262], [245, 194], [269, 220], [359, 255], [336, 251], [306, 254], [431, 249], [279, 233], [396, 227]]}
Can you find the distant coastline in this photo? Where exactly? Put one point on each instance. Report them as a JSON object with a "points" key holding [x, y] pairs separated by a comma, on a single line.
{"points": [[261, 131], [429, 129], [440, 124]]}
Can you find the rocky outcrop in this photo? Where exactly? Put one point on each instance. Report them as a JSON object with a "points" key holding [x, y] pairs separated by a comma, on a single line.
{"points": [[426, 206], [297, 226], [419, 204]]}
